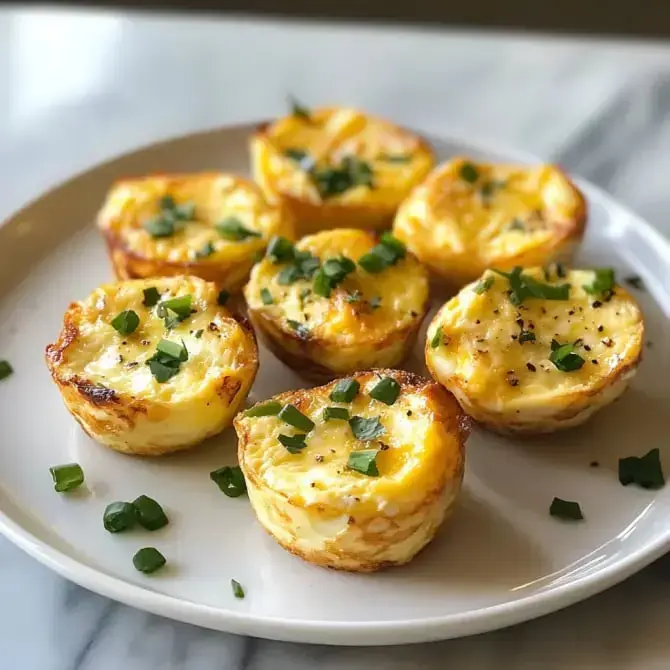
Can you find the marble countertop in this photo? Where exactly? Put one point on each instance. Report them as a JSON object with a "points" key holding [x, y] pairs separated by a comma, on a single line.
{"points": [[78, 87]]}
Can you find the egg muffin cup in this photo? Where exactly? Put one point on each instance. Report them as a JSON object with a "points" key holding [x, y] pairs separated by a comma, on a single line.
{"points": [[356, 475], [153, 366], [538, 350], [335, 167], [467, 217], [324, 314], [212, 225]]}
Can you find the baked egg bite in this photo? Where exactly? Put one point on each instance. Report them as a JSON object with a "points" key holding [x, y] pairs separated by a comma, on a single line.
{"points": [[150, 366], [535, 351], [211, 224], [333, 166], [338, 301], [358, 474], [467, 217]]}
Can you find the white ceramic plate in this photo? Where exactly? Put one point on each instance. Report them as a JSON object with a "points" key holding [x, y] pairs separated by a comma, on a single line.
{"points": [[502, 560]]}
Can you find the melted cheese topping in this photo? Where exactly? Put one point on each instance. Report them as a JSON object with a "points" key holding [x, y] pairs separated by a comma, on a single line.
{"points": [[506, 212], [398, 158], [482, 355], [412, 464], [401, 288], [100, 355], [216, 196]]}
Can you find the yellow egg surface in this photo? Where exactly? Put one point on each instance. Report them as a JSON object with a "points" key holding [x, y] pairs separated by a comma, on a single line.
{"points": [[211, 224], [502, 360], [467, 217], [370, 319], [351, 500], [338, 167], [119, 396]]}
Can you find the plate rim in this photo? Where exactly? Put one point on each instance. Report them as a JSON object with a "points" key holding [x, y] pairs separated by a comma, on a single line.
{"points": [[342, 633]]}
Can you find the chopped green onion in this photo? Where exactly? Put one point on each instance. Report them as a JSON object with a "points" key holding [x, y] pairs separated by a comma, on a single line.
{"points": [[388, 252], [294, 443], [636, 282], [67, 477], [173, 350], [603, 282], [150, 514], [468, 172], [526, 336], [293, 417], [566, 509], [437, 339], [198, 334], [181, 306], [483, 285], [524, 286], [517, 224], [340, 413], [386, 391], [366, 429], [301, 330], [280, 249], [364, 461], [332, 181], [270, 408], [345, 390], [233, 230], [332, 273], [222, 298], [238, 591], [119, 516], [266, 296], [299, 110], [5, 370], [164, 225], [151, 296], [184, 212], [302, 266], [393, 243], [563, 356], [167, 202], [296, 155], [148, 560], [126, 322], [207, 250], [645, 471], [230, 480]]}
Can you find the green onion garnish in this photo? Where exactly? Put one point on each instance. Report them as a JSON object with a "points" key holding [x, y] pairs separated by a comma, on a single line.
{"points": [[296, 155], [280, 250], [437, 339], [126, 322], [266, 296], [345, 390], [173, 350], [294, 443], [526, 336], [366, 429], [198, 334], [636, 282], [148, 560], [645, 471], [150, 514], [566, 509], [119, 516], [230, 480], [603, 282], [298, 109], [175, 310], [161, 226], [364, 461], [302, 266], [468, 172], [67, 477], [301, 330], [341, 413], [238, 591], [222, 298], [332, 273], [334, 180], [293, 417], [5, 370], [165, 363], [207, 250], [386, 390], [388, 252], [483, 285], [270, 408], [564, 357], [523, 286], [151, 296], [233, 230]]}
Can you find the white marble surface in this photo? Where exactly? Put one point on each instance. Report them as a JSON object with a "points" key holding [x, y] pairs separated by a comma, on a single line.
{"points": [[77, 87]]}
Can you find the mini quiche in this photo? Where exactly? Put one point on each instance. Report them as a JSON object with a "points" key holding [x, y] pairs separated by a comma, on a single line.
{"points": [[467, 217], [211, 225], [153, 366], [534, 351], [338, 301], [334, 165], [356, 475]]}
